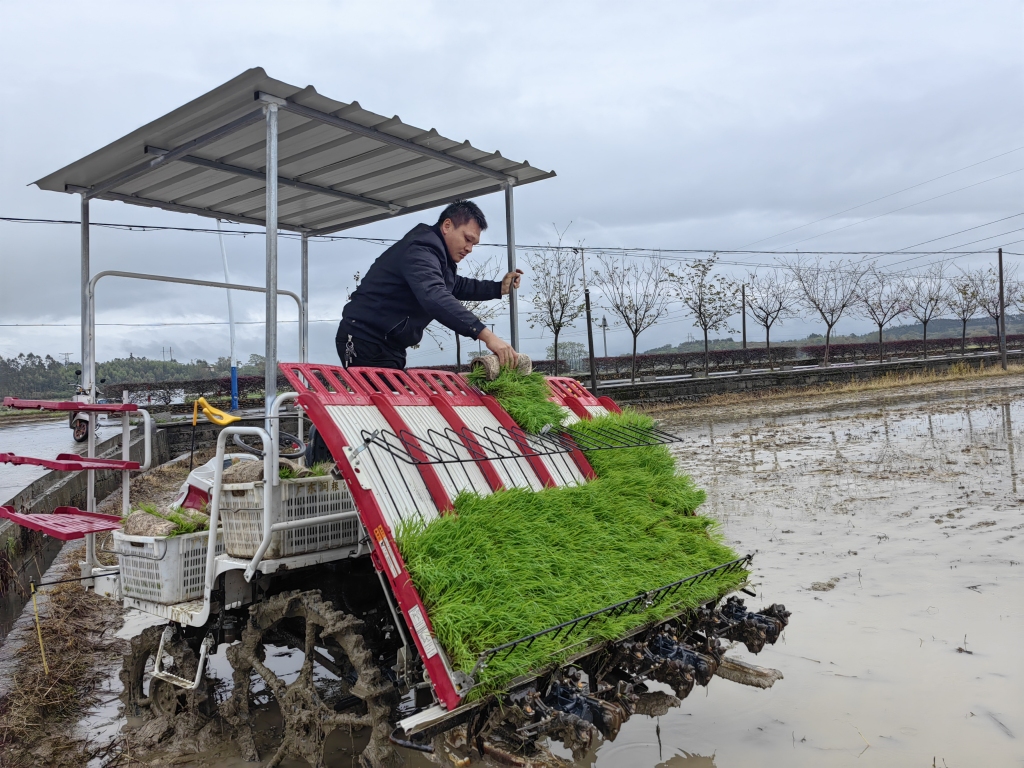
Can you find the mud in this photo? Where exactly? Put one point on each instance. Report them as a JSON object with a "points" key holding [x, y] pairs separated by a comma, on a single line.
{"points": [[891, 524]]}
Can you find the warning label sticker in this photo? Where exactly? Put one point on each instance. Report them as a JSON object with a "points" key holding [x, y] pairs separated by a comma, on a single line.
{"points": [[385, 549], [420, 625]]}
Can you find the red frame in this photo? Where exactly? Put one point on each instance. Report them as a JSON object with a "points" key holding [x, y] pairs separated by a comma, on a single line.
{"points": [[70, 462], [565, 386], [65, 524], [54, 405], [313, 398]]}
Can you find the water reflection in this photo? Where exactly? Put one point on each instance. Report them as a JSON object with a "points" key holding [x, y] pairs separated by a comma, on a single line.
{"points": [[686, 760]]}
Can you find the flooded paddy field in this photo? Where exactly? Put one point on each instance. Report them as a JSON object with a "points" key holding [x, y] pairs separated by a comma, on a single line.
{"points": [[892, 525]]}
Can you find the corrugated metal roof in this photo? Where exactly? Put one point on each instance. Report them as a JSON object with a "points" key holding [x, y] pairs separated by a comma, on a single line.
{"points": [[339, 165]]}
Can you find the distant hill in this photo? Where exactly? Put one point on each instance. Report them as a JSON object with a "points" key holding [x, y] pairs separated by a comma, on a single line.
{"points": [[36, 377]]}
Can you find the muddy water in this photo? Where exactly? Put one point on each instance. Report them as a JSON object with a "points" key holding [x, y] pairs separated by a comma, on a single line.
{"points": [[894, 530], [893, 527]]}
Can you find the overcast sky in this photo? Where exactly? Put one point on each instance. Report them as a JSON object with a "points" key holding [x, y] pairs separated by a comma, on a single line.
{"points": [[675, 125]]}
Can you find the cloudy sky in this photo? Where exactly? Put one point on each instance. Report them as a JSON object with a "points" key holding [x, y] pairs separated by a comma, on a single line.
{"points": [[674, 125]]}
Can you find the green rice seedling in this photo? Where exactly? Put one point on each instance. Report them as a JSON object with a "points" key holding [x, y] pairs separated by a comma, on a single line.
{"points": [[321, 469], [286, 473], [526, 398], [517, 562]]}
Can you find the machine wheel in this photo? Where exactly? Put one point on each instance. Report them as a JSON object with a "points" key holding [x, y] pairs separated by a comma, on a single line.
{"points": [[303, 620], [80, 430], [187, 711]]}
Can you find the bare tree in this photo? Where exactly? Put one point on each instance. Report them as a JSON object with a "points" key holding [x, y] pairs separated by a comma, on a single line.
{"points": [[830, 289], [710, 298], [634, 292], [926, 296], [986, 286], [487, 269], [963, 301], [557, 294], [882, 298], [770, 299]]}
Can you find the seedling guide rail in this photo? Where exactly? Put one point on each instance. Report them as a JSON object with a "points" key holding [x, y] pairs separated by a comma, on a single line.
{"points": [[638, 604]]}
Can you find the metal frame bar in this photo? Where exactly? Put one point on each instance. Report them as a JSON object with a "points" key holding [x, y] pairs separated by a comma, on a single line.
{"points": [[385, 138], [134, 172], [332, 228], [176, 208], [446, 447], [90, 324], [87, 366], [281, 180], [269, 470], [510, 239], [270, 345]]}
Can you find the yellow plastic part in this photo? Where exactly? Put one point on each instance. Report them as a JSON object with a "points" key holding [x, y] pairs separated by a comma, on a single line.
{"points": [[215, 415]]}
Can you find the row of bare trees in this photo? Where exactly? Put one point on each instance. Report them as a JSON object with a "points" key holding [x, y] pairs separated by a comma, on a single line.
{"points": [[638, 292]]}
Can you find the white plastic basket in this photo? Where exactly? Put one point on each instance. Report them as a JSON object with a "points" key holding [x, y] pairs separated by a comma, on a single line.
{"points": [[241, 514], [164, 569]]}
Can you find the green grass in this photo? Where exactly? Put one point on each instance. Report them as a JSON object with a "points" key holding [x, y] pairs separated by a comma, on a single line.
{"points": [[524, 397], [517, 562]]}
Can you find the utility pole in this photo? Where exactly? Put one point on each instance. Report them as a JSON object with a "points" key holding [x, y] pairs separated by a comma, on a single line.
{"points": [[743, 293], [604, 327], [1002, 312], [590, 327], [66, 356]]}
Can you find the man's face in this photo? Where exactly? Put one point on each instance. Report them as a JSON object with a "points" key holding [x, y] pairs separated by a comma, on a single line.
{"points": [[460, 240]]}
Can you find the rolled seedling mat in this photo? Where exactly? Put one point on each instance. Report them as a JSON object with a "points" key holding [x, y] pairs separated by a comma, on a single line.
{"points": [[491, 366]]}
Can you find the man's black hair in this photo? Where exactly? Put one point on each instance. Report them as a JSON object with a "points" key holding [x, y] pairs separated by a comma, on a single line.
{"points": [[462, 212]]}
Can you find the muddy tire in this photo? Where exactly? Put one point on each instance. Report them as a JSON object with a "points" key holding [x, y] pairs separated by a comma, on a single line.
{"points": [[185, 711], [329, 638]]}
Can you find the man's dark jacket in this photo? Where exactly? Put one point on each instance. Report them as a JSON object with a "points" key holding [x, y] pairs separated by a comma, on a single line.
{"points": [[412, 283]]}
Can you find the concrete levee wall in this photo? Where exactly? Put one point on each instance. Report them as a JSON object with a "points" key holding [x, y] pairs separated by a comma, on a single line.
{"points": [[698, 388]]}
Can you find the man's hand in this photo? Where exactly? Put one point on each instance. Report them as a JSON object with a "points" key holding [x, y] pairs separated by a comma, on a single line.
{"points": [[506, 355], [510, 281]]}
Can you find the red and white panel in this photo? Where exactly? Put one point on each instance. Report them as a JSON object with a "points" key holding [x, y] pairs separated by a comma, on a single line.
{"points": [[577, 400], [398, 486], [482, 417]]}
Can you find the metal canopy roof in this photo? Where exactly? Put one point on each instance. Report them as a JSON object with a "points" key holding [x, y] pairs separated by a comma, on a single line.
{"points": [[339, 165]]}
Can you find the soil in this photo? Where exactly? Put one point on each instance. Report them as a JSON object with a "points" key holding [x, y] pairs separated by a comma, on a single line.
{"points": [[891, 524]]}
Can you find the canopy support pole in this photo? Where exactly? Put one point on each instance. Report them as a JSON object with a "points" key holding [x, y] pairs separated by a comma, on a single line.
{"points": [[304, 322], [304, 293], [88, 380], [270, 349], [510, 237]]}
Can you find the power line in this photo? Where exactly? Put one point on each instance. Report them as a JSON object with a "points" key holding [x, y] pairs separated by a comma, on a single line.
{"points": [[905, 207], [390, 241], [883, 197]]}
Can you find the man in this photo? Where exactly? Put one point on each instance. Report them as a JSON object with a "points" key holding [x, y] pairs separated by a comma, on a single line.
{"points": [[415, 282]]}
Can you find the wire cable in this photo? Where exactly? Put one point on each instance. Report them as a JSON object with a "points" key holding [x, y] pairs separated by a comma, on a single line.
{"points": [[883, 197]]}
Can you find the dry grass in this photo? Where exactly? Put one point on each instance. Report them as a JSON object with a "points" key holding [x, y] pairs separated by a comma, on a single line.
{"points": [[956, 372], [38, 715]]}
